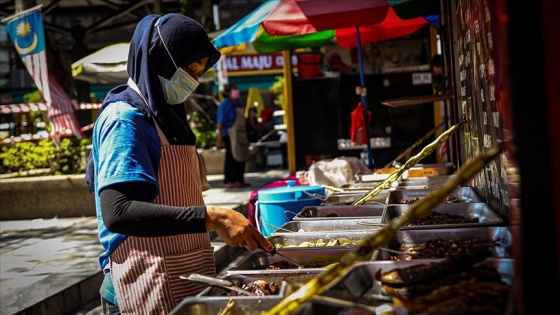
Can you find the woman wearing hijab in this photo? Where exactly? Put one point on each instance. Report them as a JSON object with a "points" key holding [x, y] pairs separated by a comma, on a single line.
{"points": [[148, 178]]}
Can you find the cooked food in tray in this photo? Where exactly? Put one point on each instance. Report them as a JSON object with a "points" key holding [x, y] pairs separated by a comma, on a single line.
{"points": [[340, 241], [437, 248], [455, 284], [259, 287], [457, 195], [447, 215], [448, 199], [442, 243], [340, 212], [436, 217], [471, 282]]}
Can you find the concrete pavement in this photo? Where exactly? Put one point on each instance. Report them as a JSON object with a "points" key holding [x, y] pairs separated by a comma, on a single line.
{"points": [[49, 266]]}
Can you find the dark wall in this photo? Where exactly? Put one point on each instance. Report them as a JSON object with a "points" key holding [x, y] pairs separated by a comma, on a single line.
{"points": [[407, 124], [316, 125], [322, 108]]}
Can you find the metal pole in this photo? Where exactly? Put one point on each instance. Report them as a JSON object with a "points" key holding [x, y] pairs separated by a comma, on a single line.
{"points": [[364, 96]]}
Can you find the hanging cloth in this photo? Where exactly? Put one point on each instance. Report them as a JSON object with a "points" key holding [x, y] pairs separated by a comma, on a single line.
{"points": [[358, 134]]}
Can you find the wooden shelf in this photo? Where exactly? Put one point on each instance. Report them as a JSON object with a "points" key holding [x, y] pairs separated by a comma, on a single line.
{"points": [[417, 100]]}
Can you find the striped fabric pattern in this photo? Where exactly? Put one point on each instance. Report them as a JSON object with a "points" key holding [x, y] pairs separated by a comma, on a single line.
{"points": [[146, 270]]}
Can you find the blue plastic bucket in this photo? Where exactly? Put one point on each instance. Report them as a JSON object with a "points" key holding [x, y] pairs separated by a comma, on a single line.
{"points": [[276, 206]]}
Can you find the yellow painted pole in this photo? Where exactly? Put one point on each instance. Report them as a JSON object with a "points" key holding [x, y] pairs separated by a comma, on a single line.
{"points": [[288, 109]]}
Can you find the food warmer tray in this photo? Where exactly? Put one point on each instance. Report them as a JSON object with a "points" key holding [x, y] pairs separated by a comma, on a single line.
{"points": [[485, 215], [464, 194], [322, 226], [313, 261], [241, 279], [297, 241], [308, 213], [254, 306], [347, 198], [407, 238], [361, 282], [207, 305], [431, 180]]}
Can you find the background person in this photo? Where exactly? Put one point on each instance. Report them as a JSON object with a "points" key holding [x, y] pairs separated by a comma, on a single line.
{"points": [[148, 178], [234, 171], [253, 132]]}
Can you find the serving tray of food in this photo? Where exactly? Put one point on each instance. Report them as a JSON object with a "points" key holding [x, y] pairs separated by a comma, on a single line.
{"points": [[347, 198], [212, 305], [260, 284], [295, 241], [310, 213], [465, 284], [323, 226], [441, 243], [313, 260], [447, 215], [458, 195]]}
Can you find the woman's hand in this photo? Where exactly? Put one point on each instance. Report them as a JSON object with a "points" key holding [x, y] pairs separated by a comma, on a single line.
{"points": [[219, 141], [235, 229]]}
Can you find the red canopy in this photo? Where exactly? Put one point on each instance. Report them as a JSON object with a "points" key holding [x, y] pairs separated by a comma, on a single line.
{"points": [[391, 27], [292, 17]]}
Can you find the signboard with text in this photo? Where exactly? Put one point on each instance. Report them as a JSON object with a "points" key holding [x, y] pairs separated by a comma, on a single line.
{"points": [[256, 64]]}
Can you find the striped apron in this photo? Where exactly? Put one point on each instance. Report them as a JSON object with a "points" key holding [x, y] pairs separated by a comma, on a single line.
{"points": [[146, 270]]}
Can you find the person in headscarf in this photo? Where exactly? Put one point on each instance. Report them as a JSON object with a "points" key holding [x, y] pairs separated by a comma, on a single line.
{"points": [[148, 178]]}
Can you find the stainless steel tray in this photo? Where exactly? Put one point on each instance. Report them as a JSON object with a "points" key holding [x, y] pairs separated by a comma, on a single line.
{"points": [[347, 198], [485, 215], [298, 241], [432, 180], [205, 305], [308, 213], [464, 194], [240, 280], [323, 226], [314, 260], [407, 238], [360, 279]]}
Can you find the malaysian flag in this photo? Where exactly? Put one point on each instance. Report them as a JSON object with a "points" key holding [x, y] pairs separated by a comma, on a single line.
{"points": [[27, 33]]}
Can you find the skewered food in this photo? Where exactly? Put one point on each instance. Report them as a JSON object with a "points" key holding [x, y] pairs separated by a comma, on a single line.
{"points": [[455, 285], [418, 273]]}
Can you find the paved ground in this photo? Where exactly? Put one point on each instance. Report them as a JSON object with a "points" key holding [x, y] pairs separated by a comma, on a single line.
{"points": [[50, 266]]}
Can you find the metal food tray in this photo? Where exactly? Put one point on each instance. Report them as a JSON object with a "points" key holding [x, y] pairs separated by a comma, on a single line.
{"points": [[292, 241], [436, 180], [322, 226], [313, 260], [240, 279], [485, 215], [464, 194], [347, 198], [205, 305], [406, 238], [361, 282], [374, 212]]}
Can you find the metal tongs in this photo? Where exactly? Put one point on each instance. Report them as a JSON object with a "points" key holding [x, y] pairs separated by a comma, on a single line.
{"points": [[275, 252], [212, 281]]}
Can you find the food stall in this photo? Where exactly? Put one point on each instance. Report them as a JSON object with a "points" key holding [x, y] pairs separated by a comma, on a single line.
{"points": [[428, 240]]}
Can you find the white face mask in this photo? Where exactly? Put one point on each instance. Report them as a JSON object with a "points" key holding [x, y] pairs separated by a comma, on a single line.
{"points": [[180, 87]]}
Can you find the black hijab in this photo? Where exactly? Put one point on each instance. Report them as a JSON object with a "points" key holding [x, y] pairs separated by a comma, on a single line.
{"points": [[187, 42]]}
